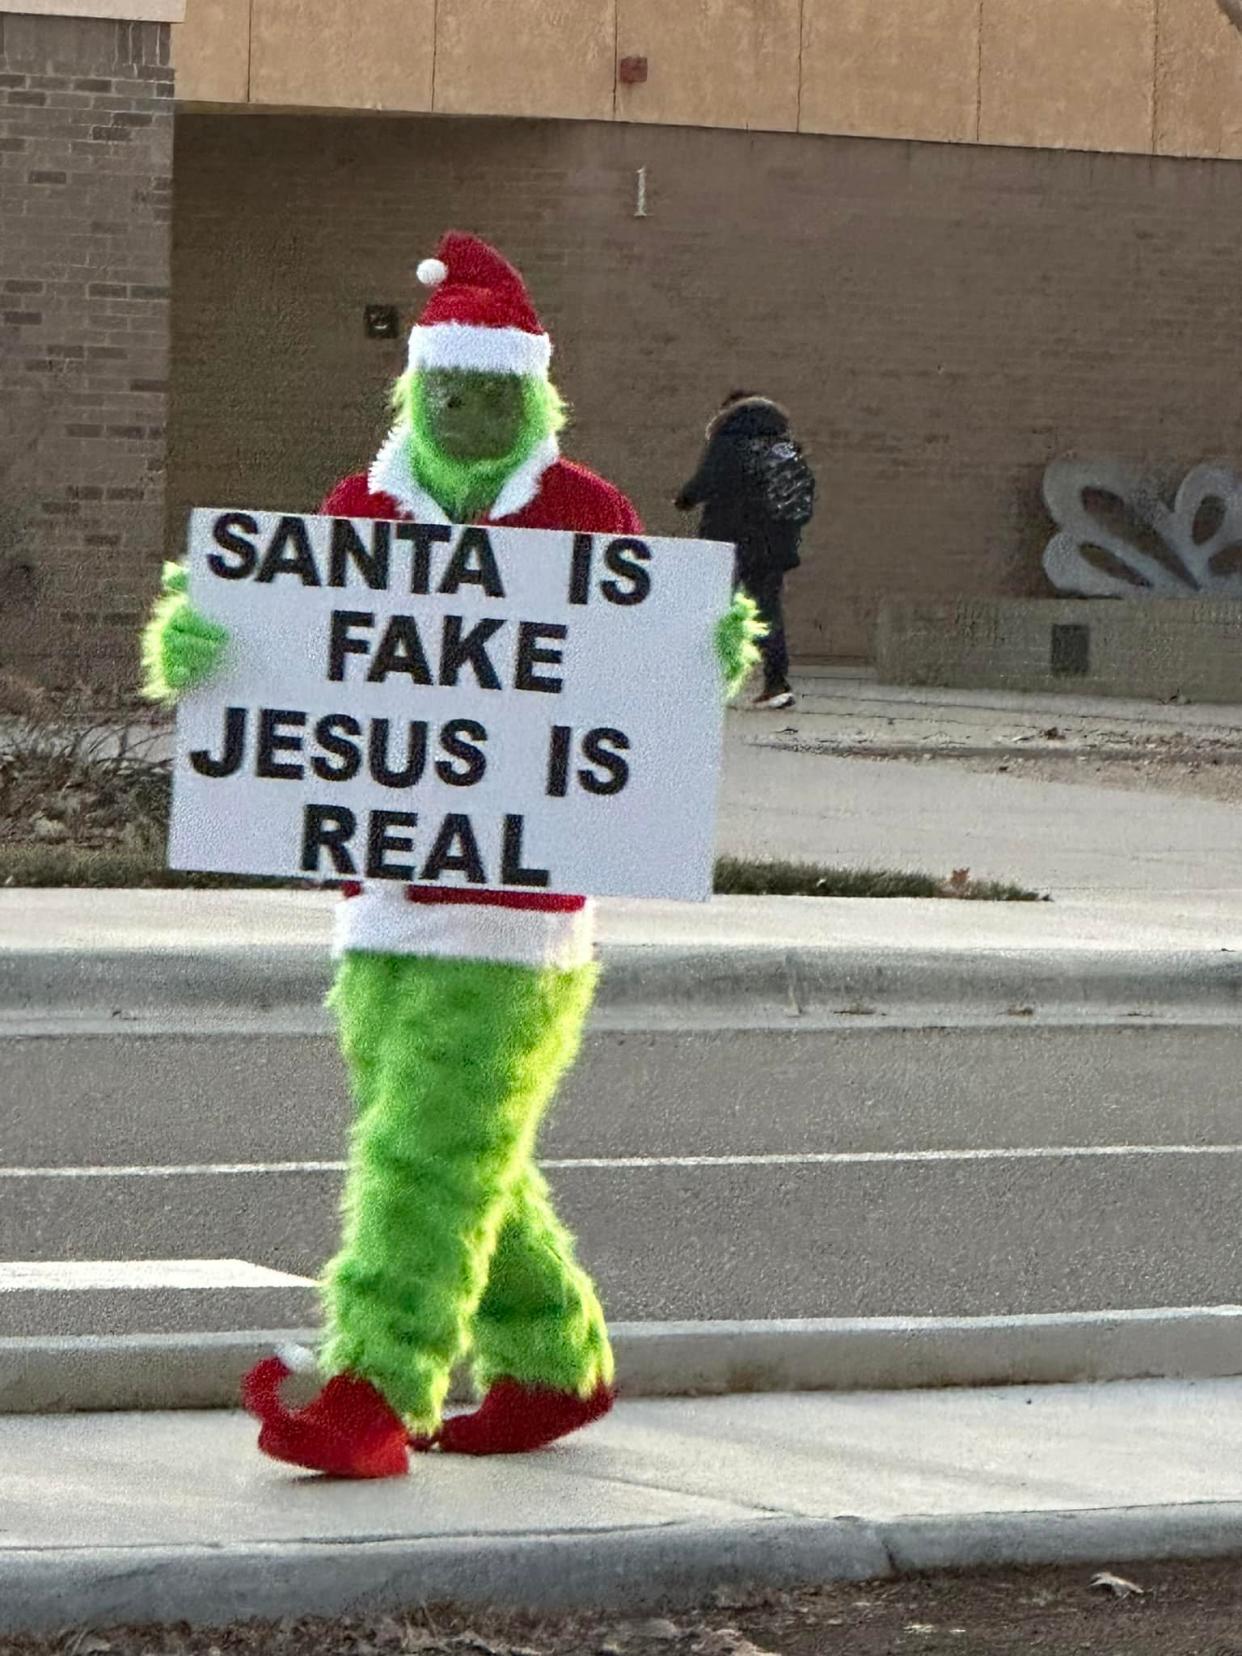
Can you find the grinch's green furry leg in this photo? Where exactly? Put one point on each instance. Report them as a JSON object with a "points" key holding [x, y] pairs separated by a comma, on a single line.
{"points": [[362, 1037], [455, 1062], [540, 1321]]}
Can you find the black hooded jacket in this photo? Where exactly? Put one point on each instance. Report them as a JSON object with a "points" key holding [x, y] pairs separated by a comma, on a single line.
{"points": [[733, 509]]}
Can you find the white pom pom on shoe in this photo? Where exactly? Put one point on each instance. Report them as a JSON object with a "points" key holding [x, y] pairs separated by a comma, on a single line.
{"points": [[431, 272], [297, 1359]]}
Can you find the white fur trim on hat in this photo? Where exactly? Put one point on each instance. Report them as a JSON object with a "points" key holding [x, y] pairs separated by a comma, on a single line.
{"points": [[480, 350]]}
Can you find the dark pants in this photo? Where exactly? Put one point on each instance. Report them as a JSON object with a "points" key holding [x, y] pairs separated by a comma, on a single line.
{"points": [[767, 592]]}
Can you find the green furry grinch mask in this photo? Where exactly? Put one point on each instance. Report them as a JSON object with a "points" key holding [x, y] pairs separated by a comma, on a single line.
{"points": [[469, 431]]}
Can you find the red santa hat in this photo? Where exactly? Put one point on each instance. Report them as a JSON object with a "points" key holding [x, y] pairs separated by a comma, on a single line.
{"points": [[479, 317]]}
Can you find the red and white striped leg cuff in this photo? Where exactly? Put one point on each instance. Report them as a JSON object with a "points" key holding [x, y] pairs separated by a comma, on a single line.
{"points": [[382, 919]]}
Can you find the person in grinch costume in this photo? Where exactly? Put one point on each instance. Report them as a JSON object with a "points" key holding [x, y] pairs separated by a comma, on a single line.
{"points": [[459, 1010]]}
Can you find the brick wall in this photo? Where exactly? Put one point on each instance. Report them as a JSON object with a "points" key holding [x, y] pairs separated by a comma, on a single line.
{"points": [[85, 205], [941, 320]]}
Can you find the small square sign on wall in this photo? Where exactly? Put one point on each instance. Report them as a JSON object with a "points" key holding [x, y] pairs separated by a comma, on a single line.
{"points": [[381, 322]]}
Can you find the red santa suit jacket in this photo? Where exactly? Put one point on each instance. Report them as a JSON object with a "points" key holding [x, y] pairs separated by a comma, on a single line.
{"points": [[527, 928]]}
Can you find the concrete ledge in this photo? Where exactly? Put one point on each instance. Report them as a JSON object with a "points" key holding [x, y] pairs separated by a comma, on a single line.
{"points": [[982, 1540], [121, 11], [262, 986], [37, 1315], [623, 1569], [203, 1371], [1143, 647]]}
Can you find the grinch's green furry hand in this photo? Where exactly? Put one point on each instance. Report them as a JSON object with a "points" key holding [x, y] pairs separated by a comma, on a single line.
{"points": [[737, 642], [180, 648]]}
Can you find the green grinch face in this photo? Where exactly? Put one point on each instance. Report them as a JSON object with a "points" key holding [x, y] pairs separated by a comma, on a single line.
{"points": [[473, 416]]}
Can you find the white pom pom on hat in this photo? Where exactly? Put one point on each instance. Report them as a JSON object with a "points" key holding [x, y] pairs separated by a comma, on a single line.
{"points": [[432, 272]]}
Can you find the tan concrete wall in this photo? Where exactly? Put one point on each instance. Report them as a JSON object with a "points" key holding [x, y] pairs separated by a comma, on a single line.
{"points": [[530, 57], [211, 52], [1137, 76], [342, 54], [1069, 74], [1154, 649], [730, 63], [1198, 83], [942, 321], [904, 69]]}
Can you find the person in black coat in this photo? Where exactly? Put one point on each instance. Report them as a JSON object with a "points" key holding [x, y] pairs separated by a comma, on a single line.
{"points": [[756, 490]]}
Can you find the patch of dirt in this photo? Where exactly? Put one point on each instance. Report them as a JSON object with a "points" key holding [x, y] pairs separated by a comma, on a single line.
{"points": [[1177, 1610], [1187, 766], [1187, 778]]}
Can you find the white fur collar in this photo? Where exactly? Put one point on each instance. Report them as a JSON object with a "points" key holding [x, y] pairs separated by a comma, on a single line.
{"points": [[522, 485], [390, 474]]}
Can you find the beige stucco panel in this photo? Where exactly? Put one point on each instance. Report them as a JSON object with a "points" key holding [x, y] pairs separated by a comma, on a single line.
{"points": [[211, 52], [731, 63], [526, 57], [891, 68], [1069, 74], [343, 54], [1198, 81]]}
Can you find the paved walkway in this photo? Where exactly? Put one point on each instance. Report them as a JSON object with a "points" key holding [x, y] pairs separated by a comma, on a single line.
{"points": [[128, 1517], [185, 921], [788, 793], [1060, 838]]}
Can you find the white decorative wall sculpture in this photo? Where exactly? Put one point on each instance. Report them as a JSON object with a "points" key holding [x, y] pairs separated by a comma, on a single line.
{"points": [[1117, 537]]}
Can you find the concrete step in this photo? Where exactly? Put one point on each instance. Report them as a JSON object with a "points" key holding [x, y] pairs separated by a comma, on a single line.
{"points": [[59, 1298], [68, 1373]]}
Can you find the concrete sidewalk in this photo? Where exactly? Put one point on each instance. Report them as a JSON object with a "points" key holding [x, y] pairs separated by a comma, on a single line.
{"points": [[57, 920], [1060, 838], [788, 790], [133, 1518]]}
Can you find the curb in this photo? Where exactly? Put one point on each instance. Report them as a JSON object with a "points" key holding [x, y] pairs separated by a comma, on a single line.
{"points": [[120, 989], [1003, 752], [76, 1374], [623, 1569]]}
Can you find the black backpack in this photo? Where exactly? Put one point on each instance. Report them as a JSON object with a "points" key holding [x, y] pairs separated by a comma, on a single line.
{"points": [[782, 480]]}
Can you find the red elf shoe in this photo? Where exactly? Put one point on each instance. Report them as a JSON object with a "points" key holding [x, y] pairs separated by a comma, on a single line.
{"points": [[514, 1419], [348, 1431]]}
